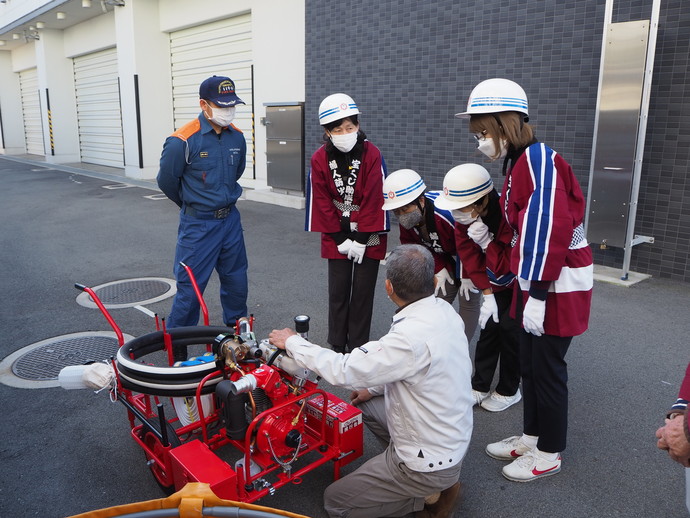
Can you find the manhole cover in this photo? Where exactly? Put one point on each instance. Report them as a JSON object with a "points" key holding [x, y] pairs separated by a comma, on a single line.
{"points": [[130, 292], [38, 365]]}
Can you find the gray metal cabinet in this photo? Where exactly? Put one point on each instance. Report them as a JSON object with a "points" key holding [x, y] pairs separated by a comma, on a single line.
{"points": [[285, 145]]}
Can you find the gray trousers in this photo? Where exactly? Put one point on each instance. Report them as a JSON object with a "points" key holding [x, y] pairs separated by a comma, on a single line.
{"points": [[468, 309], [384, 486]]}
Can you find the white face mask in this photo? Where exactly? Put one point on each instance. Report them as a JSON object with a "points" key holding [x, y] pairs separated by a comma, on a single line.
{"points": [[464, 218], [486, 146], [345, 142], [222, 116]]}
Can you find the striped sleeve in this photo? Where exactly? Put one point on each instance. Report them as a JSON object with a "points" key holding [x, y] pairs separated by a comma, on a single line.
{"points": [[546, 225]]}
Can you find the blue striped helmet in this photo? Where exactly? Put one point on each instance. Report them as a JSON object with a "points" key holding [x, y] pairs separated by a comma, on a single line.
{"points": [[402, 187], [336, 107], [495, 95], [463, 185]]}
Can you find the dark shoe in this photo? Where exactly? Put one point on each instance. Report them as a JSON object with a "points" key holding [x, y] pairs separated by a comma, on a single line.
{"points": [[444, 506], [179, 353], [339, 348]]}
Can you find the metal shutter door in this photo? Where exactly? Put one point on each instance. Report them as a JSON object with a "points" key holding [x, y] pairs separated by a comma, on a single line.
{"points": [[98, 108], [31, 112], [222, 48]]}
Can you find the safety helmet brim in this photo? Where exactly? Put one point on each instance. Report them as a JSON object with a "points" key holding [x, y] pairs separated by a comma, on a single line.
{"points": [[463, 185], [336, 107], [494, 96], [401, 188]]}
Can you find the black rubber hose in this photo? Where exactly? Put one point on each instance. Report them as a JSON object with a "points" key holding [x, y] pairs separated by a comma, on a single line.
{"points": [[273, 357]]}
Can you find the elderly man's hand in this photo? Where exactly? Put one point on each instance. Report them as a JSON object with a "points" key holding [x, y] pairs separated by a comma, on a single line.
{"points": [[671, 437], [279, 336], [360, 396]]}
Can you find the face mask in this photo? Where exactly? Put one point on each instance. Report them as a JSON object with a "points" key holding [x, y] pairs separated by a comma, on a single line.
{"points": [[223, 116], [410, 219], [464, 218], [486, 147], [345, 142]]}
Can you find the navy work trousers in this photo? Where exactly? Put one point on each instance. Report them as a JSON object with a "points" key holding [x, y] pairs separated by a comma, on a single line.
{"points": [[545, 389], [205, 245]]}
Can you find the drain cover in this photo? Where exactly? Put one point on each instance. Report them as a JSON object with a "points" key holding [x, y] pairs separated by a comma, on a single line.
{"points": [[130, 292], [38, 365]]}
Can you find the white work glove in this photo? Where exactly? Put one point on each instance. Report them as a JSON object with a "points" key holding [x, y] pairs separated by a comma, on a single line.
{"points": [[441, 278], [479, 233], [489, 309], [344, 247], [467, 286], [356, 252], [533, 316]]}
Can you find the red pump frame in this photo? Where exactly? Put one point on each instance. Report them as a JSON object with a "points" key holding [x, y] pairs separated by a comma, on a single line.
{"points": [[314, 439]]}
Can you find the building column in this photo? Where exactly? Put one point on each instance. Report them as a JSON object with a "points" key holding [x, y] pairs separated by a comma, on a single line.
{"points": [[57, 97], [143, 54], [11, 142]]}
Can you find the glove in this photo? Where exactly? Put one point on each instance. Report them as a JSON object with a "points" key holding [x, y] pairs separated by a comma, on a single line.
{"points": [[467, 286], [533, 316], [441, 278], [356, 252], [489, 309], [344, 247], [479, 233]]}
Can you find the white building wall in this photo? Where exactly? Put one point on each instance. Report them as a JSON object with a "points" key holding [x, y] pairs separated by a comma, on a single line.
{"points": [[90, 36], [24, 57], [140, 30], [56, 80], [143, 53], [10, 108], [278, 55]]}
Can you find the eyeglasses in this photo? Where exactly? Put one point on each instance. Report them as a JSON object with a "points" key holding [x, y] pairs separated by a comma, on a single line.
{"points": [[480, 136]]}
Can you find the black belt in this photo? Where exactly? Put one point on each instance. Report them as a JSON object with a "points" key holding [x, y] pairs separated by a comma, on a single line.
{"points": [[210, 214]]}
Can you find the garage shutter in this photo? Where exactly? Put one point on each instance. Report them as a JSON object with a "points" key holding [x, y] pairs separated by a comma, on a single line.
{"points": [[221, 48], [31, 112], [98, 108]]}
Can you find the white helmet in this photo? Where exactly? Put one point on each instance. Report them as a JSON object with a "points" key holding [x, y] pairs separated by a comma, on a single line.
{"points": [[495, 95], [463, 185], [336, 107], [402, 187]]}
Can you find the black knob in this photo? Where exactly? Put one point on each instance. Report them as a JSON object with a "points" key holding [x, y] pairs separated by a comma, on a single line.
{"points": [[292, 439], [302, 323]]}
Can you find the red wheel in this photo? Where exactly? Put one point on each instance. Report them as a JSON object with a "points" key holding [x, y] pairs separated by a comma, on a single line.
{"points": [[162, 474]]}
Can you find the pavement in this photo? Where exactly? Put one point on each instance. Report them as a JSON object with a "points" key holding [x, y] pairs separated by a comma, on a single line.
{"points": [[66, 452]]}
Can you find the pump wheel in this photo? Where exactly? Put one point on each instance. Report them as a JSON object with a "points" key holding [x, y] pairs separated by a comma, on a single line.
{"points": [[162, 474]]}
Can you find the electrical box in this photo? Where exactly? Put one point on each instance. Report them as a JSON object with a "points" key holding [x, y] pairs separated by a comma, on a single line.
{"points": [[285, 145]]}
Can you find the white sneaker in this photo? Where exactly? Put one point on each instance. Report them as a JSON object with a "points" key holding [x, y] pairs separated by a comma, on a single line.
{"points": [[531, 466], [507, 449], [479, 396], [497, 403]]}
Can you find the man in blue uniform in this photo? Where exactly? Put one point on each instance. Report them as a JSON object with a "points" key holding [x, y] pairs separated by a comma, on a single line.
{"points": [[199, 168]]}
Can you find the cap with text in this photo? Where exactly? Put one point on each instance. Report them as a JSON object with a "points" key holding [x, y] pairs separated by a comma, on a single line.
{"points": [[219, 90]]}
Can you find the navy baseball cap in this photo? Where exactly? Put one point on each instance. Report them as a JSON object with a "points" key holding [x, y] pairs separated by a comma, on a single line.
{"points": [[219, 90]]}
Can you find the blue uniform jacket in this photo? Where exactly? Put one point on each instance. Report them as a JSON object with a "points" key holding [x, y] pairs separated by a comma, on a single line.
{"points": [[200, 168]]}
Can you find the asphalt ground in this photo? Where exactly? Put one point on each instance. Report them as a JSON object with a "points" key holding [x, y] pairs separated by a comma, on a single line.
{"points": [[66, 452]]}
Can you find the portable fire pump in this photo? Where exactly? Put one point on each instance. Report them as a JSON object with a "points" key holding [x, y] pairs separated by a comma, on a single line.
{"points": [[249, 419]]}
